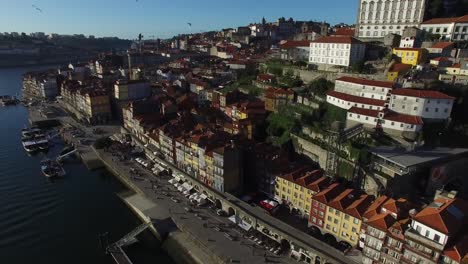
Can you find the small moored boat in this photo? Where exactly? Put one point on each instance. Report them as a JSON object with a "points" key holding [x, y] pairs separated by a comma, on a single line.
{"points": [[51, 168]]}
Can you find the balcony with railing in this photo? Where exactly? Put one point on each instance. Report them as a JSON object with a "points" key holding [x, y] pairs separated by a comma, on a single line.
{"points": [[416, 237]]}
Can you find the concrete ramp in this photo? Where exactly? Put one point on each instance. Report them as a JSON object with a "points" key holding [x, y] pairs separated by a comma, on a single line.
{"points": [[152, 212]]}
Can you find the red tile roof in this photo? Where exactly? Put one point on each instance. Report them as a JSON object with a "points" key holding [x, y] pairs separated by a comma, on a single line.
{"points": [[421, 93], [265, 77], [459, 251], [343, 200], [440, 59], [406, 119], [375, 207], [356, 99], [444, 215], [400, 67], [359, 206], [389, 115], [295, 43], [366, 82], [442, 45], [364, 112], [381, 221], [448, 20], [345, 32], [338, 39], [328, 194], [320, 184]]}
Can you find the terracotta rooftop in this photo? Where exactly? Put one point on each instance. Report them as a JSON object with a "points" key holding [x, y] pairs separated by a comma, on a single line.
{"points": [[295, 43], [421, 93], [367, 82], [375, 207], [459, 251], [329, 193], [359, 206], [400, 67], [364, 112], [448, 20], [444, 215], [338, 39], [402, 118], [442, 45], [343, 200], [345, 32], [356, 99], [381, 221]]}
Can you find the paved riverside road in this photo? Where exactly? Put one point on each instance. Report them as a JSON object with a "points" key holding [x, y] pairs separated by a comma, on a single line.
{"points": [[242, 250]]}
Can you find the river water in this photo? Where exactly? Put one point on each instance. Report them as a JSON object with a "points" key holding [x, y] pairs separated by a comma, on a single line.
{"points": [[55, 222]]}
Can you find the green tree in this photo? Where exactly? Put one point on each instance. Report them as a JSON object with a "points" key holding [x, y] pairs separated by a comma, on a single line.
{"points": [[320, 86]]}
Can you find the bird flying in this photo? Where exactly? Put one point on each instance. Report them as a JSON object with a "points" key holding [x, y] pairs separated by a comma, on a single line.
{"points": [[190, 24], [37, 8]]}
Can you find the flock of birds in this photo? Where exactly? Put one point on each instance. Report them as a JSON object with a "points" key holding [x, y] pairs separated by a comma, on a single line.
{"points": [[40, 11]]}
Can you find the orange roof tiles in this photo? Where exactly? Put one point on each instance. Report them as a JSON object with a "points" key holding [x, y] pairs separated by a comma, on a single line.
{"points": [[442, 45], [375, 207], [356, 99], [338, 39], [359, 206], [444, 215], [381, 221], [295, 43], [400, 67], [329, 193], [364, 112], [407, 119], [343, 200], [448, 20], [345, 32], [459, 251], [366, 82], [421, 93]]}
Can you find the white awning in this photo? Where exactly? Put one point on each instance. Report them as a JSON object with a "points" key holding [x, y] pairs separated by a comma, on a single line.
{"points": [[242, 224], [176, 184], [171, 181], [203, 196], [180, 188], [233, 219], [193, 196], [187, 186]]}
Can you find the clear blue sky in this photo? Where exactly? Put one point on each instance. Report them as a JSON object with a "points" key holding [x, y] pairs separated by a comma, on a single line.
{"points": [[126, 18]]}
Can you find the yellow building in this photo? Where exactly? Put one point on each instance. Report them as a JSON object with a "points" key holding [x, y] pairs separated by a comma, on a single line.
{"points": [[343, 216], [397, 70], [297, 187], [277, 97], [412, 56]]}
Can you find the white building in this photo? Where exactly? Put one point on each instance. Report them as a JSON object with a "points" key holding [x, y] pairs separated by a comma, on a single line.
{"points": [[378, 104], [391, 122], [336, 51], [409, 42], [453, 28], [295, 50], [424, 103], [377, 18]]}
